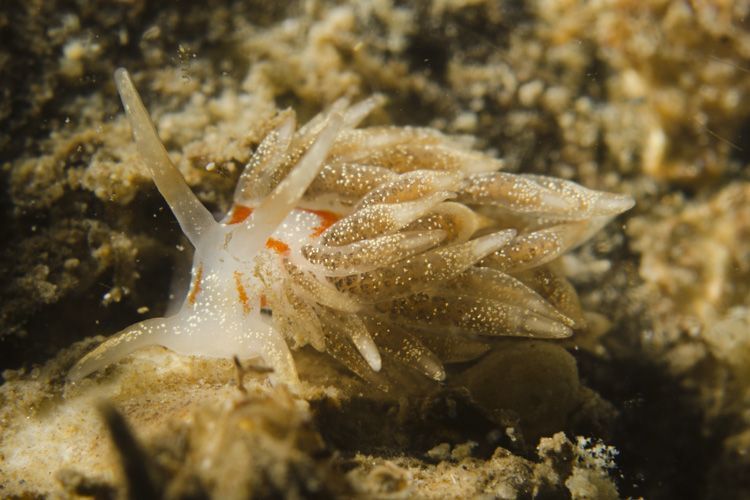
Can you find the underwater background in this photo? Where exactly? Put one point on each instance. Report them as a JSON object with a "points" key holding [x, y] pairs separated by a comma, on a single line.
{"points": [[647, 98]]}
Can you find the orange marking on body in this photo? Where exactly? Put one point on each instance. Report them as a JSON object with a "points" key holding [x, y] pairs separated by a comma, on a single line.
{"points": [[263, 301], [196, 287], [277, 245], [327, 219], [241, 293], [240, 213]]}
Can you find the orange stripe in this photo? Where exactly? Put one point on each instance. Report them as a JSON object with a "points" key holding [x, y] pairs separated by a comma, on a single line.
{"points": [[240, 213], [263, 301], [278, 246], [241, 293], [327, 219], [196, 288]]}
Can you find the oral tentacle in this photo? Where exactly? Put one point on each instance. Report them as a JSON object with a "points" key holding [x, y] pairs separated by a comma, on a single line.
{"points": [[137, 336], [194, 219]]}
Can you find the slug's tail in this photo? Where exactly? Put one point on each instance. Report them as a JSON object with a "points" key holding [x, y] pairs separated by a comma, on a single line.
{"points": [[143, 334]]}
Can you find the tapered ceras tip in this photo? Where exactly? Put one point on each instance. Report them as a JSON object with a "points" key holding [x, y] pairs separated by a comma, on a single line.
{"points": [[614, 204], [121, 74]]}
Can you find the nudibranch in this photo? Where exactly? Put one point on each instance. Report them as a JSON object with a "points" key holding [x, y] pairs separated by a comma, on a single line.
{"points": [[379, 245]]}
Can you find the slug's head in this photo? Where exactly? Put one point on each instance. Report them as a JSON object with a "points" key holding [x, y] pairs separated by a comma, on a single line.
{"points": [[218, 318], [295, 156]]}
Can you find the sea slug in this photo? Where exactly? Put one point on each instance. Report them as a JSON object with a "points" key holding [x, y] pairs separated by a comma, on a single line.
{"points": [[376, 245]]}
